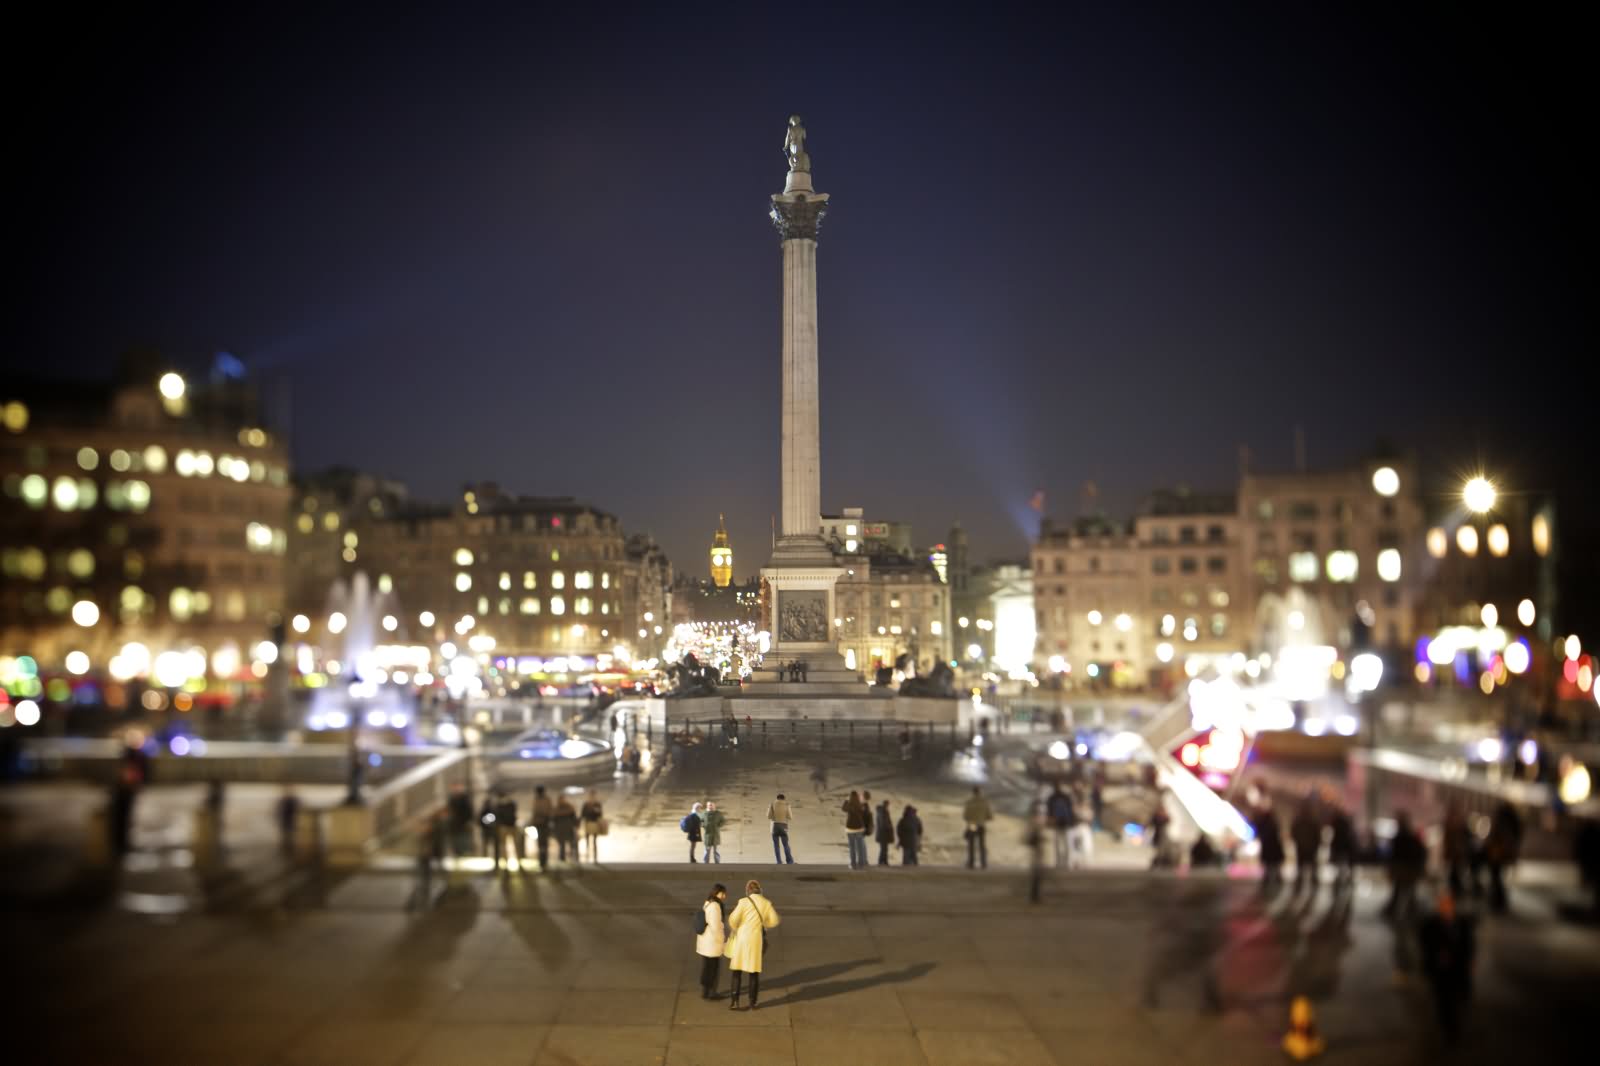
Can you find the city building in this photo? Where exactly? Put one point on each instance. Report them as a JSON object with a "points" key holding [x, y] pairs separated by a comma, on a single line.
{"points": [[143, 528], [646, 596], [524, 576]]}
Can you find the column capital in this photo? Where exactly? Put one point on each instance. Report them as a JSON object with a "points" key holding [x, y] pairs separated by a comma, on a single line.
{"points": [[797, 215]]}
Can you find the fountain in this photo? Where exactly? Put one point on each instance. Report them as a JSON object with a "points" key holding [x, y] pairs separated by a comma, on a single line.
{"points": [[358, 699]]}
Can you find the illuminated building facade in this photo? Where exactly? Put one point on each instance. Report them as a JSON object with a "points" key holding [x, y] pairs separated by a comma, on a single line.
{"points": [[646, 596], [539, 576], [143, 519], [890, 605], [721, 556]]}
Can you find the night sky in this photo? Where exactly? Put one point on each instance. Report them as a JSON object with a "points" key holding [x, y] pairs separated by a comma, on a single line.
{"points": [[530, 245]]}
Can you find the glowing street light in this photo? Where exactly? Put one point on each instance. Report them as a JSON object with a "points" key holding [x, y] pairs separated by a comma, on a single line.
{"points": [[1479, 495], [172, 386]]}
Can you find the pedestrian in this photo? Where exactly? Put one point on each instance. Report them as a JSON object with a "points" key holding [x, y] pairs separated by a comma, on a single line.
{"points": [[1269, 834], [543, 815], [1447, 943], [1408, 858], [215, 800], [747, 940], [711, 829], [1586, 851], [1342, 847], [594, 824], [1501, 850], [508, 845], [779, 815], [288, 820], [1080, 834], [1097, 802], [909, 831], [905, 745], [564, 823], [430, 843], [1062, 815], [710, 938], [690, 824], [1038, 826], [491, 836], [883, 832], [1456, 848], [819, 778], [855, 829], [977, 815], [123, 796], [458, 810], [1305, 829]]}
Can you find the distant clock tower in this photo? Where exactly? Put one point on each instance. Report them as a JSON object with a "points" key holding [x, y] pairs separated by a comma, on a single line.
{"points": [[721, 557]]}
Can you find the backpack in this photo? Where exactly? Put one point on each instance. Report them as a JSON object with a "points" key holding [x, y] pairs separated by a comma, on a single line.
{"points": [[700, 921], [683, 824]]}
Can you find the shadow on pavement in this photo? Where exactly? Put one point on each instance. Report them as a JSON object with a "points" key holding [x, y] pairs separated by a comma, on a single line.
{"points": [[841, 988], [817, 973]]}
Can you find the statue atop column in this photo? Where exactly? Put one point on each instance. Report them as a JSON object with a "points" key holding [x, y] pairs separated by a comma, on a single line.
{"points": [[794, 146]]}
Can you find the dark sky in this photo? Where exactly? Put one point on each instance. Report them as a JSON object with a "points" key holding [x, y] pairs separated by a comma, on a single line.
{"points": [[529, 244]]}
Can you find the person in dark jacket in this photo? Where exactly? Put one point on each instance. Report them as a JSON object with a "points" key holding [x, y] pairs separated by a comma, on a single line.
{"points": [[459, 809], [1342, 847], [1448, 945], [508, 843], [1501, 850], [855, 829], [491, 838], [909, 833], [1306, 832], [564, 823], [1408, 859], [883, 830], [544, 814], [1270, 836]]}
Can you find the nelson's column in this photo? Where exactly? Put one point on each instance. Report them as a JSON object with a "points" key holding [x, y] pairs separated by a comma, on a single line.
{"points": [[800, 578]]}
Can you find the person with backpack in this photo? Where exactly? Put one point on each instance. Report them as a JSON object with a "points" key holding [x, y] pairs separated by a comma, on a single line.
{"points": [[711, 827], [564, 823], [710, 938], [747, 940], [690, 824], [910, 833], [883, 832]]}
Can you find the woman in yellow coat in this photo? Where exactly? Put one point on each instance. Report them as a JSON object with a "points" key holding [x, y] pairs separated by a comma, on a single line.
{"points": [[747, 934]]}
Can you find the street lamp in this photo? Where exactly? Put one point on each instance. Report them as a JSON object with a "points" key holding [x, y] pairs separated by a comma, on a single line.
{"points": [[1479, 495]]}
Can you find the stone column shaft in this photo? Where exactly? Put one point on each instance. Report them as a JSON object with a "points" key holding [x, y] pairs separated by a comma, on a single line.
{"points": [[802, 460]]}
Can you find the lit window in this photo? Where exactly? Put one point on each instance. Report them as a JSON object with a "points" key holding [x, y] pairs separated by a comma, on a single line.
{"points": [[304, 523], [203, 464], [1438, 542], [180, 604], [558, 580], [1499, 540], [505, 580], [605, 579], [555, 555], [385, 583], [530, 605], [850, 545], [1219, 625], [581, 605], [463, 582], [558, 605], [529, 581], [351, 540], [505, 604], [1343, 566], [583, 579], [1385, 481], [483, 605], [35, 490], [1389, 564], [936, 627], [850, 530], [155, 458], [1303, 566], [463, 557], [1541, 534], [88, 458], [65, 494], [605, 608], [330, 521], [1467, 540]]}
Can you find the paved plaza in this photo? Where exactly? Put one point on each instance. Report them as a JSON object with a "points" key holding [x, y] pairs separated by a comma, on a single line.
{"points": [[882, 968]]}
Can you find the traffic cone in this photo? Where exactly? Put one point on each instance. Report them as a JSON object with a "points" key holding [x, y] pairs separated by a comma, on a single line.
{"points": [[1302, 1041]]}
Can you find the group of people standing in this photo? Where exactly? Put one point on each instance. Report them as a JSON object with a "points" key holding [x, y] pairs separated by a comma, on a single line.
{"points": [[502, 832], [703, 826], [741, 938], [861, 819]]}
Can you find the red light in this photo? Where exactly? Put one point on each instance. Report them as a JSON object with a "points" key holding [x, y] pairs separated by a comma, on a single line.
{"points": [[1569, 670], [555, 523], [1190, 754]]}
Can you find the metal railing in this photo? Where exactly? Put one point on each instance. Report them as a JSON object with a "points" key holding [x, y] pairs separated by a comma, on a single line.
{"points": [[691, 735]]}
